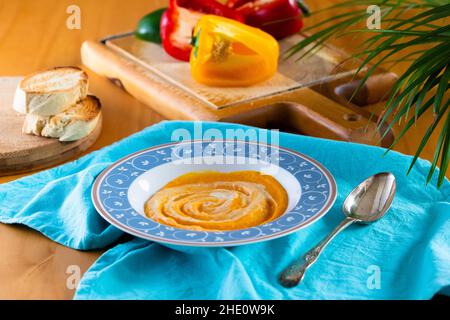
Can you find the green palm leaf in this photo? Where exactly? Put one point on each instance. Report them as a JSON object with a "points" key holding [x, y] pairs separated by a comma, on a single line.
{"points": [[427, 32]]}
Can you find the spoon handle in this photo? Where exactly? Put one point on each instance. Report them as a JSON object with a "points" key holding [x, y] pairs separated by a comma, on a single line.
{"points": [[294, 274]]}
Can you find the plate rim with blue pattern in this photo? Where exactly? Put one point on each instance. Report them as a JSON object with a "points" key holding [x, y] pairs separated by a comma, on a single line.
{"points": [[131, 222]]}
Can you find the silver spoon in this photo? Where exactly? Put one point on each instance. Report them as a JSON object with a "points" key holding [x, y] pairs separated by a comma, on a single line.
{"points": [[367, 203]]}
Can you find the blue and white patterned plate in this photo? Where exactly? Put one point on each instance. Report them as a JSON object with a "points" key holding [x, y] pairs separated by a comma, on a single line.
{"points": [[120, 191]]}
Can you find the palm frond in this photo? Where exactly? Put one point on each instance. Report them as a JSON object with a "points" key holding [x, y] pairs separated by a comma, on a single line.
{"points": [[414, 31]]}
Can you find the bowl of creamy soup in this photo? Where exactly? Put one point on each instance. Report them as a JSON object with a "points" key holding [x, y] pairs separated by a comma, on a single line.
{"points": [[213, 199]]}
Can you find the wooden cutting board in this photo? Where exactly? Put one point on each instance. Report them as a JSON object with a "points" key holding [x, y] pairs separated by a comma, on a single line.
{"points": [[303, 97], [21, 152]]}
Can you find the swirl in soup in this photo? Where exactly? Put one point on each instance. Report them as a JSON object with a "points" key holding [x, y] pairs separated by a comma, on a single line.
{"points": [[218, 201]]}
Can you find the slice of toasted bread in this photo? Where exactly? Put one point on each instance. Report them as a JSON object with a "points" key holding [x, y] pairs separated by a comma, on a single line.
{"points": [[73, 124], [50, 92]]}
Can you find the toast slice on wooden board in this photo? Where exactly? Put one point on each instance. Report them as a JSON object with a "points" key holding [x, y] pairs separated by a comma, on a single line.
{"points": [[75, 123], [50, 92], [23, 152]]}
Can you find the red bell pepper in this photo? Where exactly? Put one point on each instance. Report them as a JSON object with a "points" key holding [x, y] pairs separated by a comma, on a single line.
{"points": [[280, 18], [179, 20]]}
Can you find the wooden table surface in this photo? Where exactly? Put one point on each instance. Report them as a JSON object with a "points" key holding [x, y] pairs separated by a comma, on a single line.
{"points": [[34, 36]]}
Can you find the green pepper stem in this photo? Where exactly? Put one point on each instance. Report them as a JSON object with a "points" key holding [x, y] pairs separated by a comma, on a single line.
{"points": [[304, 8]]}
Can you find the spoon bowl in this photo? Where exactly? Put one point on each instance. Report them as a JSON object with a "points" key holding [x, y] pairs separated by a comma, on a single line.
{"points": [[371, 199]]}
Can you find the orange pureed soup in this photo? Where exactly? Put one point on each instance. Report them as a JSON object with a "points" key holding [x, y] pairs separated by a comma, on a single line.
{"points": [[210, 200]]}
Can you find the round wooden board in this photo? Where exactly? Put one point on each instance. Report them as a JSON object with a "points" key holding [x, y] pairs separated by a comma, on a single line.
{"points": [[20, 152]]}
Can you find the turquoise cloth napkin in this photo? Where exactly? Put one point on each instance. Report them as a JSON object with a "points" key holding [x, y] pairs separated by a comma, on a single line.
{"points": [[406, 255]]}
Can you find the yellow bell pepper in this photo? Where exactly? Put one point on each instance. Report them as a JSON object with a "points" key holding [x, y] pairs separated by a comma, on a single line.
{"points": [[228, 53]]}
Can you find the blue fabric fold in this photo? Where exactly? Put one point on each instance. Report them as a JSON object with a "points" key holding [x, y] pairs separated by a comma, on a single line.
{"points": [[406, 255]]}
